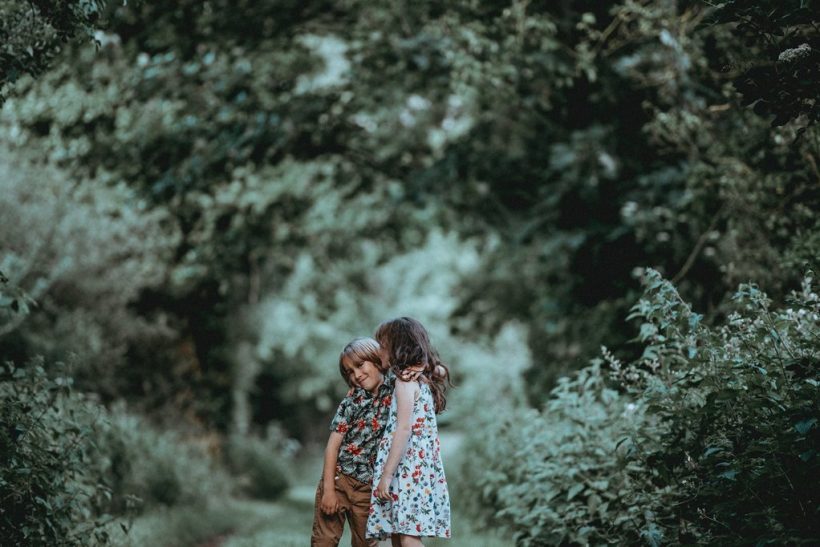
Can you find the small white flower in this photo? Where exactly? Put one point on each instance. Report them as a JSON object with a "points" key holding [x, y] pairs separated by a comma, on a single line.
{"points": [[793, 54]]}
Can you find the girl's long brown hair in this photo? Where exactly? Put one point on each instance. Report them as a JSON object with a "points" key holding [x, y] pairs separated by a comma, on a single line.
{"points": [[407, 343]]}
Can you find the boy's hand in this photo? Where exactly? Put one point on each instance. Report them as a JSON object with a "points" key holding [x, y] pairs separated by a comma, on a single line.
{"points": [[330, 503]]}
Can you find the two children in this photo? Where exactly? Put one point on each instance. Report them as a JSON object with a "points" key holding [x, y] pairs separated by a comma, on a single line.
{"points": [[382, 464]]}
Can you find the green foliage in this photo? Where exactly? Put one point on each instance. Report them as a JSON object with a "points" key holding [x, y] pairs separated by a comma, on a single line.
{"points": [[648, 160], [142, 464], [737, 408], [33, 34], [577, 142], [84, 253], [711, 438], [15, 304], [779, 71], [46, 439], [262, 464], [74, 469], [565, 475]]}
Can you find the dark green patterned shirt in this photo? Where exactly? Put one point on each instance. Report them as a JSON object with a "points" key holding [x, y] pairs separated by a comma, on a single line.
{"points": [[361, 418]]}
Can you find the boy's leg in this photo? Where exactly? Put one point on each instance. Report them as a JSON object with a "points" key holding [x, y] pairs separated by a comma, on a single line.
{"points": [[357, 501], [327, 529]]}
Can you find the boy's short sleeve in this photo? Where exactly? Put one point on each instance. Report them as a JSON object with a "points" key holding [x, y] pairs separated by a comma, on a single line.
{"points": [[341, 421]]}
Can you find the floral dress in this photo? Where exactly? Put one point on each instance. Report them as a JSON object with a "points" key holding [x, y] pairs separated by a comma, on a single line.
{"points": [[421, 503]]}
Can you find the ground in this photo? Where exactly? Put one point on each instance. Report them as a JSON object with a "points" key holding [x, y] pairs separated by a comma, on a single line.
{"points": [[283, 523]]}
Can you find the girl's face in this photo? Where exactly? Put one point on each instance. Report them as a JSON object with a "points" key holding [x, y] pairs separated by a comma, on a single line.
{"points": [[365, 374]]}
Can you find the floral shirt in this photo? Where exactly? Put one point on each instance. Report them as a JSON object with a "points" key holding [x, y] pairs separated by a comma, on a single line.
{"points": [[361, 417]]}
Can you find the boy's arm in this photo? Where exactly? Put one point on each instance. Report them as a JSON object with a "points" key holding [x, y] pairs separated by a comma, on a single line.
{"points": [[404, 413], [330, 501]]}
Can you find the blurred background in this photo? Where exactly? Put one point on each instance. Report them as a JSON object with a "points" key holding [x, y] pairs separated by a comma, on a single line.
{"points": [[605, 213]]}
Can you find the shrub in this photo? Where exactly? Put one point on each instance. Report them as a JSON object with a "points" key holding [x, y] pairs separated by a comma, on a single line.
{"points": [[736, 411], [158, 468], [564, 475], [47, 496], [261, 463], [712, 437], [85, 251]]}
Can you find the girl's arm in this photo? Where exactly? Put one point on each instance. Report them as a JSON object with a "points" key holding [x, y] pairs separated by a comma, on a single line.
{"points": [[330, 501], [405, 396]]}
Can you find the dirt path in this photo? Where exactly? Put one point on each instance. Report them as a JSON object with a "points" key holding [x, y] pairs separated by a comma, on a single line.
{"points": [[287, 522]]}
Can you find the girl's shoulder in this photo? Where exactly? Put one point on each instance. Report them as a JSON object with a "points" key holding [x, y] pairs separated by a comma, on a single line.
{"points": [[404, 384], [410, 388]]}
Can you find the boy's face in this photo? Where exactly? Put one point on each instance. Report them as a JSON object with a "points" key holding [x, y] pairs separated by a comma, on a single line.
{"points": [[365, 375]]}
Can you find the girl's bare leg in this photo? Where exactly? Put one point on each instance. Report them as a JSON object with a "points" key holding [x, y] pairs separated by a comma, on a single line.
{"points": [[410, 541]]}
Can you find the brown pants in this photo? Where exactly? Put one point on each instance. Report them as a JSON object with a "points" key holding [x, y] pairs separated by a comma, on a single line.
{"points": [[354, 497]]}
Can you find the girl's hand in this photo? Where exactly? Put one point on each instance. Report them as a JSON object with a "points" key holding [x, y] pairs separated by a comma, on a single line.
{"points": [[383, 490], [330, 503], [411, 374]]}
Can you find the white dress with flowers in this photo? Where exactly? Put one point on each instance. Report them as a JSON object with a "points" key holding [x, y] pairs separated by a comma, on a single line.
{"points": [[421, 503]]}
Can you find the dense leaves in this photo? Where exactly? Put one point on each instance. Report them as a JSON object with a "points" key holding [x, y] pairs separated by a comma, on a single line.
{"points": [[47, 498], [709, 437], [200, 210], [72, 469], [779, 69], [33, 33], [737, 408], [579, 142]]}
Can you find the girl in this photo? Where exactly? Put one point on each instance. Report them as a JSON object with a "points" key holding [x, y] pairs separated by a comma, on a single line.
{"points": [[410, 499]]}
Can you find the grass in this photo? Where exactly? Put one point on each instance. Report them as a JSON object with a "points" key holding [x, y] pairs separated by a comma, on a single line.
{"points": [[286, 522]]}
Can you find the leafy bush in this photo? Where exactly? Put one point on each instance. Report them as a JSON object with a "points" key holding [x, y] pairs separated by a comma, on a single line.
{"points": [[712, 437], [84, 252], [262, 463], [156, 468], [736, 411], [71, 466], [563, 475], [47, 496], [34, 33]]}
